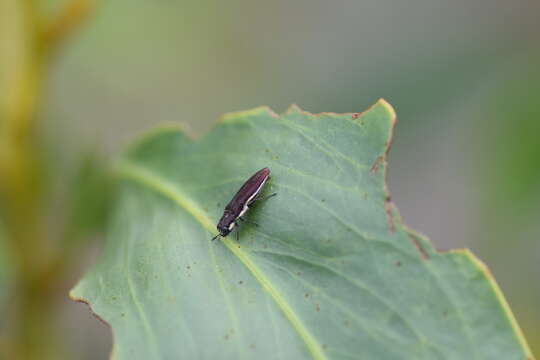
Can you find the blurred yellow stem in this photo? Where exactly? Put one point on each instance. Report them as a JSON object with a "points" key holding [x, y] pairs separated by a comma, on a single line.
{"points": [[69, 18], [25, 46]]}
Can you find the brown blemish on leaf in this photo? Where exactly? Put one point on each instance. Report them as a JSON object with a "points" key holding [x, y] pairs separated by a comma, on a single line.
{"points": [[83, 301], [317, 307], [398, 263], [388, 206], [376, 165], [419, 247], [355, 116], [227, 336], [306, 295]]}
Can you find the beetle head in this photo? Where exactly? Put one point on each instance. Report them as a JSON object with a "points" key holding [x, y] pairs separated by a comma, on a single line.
{"points": [[226, 223]]}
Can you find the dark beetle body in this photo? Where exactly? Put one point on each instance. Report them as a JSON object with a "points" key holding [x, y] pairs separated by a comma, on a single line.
{"points": [[241, 201]]}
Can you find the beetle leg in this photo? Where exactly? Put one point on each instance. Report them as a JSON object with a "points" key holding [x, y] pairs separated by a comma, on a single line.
{"points": [[249, 222], [258, 198], [237, 226]]}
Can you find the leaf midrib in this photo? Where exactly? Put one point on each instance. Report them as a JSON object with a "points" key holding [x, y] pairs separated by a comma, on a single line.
{"points": [[143, 176]]}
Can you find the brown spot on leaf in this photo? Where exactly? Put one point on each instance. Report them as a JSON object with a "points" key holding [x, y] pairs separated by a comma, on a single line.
{"points": [[388, 207], [83, 301], [355, 116], [398, 263], [317, 307], [419, 247], [376, 165], [306, 295]]}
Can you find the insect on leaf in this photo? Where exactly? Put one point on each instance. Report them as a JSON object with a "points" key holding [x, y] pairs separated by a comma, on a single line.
{"points": [[331, 272]]}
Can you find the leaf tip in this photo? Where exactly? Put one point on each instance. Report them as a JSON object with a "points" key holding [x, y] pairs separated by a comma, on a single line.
{"points": [[389, 108], [293, 109], [380, 104]]}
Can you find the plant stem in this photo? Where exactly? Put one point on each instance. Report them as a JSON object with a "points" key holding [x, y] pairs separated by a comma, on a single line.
{"points": [[25, 48]]}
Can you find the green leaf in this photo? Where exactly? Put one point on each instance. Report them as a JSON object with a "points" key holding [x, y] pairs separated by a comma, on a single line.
{"points": [[89, 198], [330, 273]]}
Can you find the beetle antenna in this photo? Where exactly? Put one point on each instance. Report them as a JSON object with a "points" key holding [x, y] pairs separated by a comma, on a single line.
{"points": [[215, 237]]}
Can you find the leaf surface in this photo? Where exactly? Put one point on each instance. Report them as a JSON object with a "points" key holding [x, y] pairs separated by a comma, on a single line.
{"points": [[331, 272]]}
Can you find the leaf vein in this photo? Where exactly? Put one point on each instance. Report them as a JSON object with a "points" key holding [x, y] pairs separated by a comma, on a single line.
{"points": [[171, 191]]}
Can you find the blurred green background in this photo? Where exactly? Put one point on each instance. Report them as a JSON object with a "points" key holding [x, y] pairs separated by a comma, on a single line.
{"points": [[463, 76]]}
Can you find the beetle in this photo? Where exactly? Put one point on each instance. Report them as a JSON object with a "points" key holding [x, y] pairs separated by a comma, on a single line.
{"points": [[241, 202]]}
